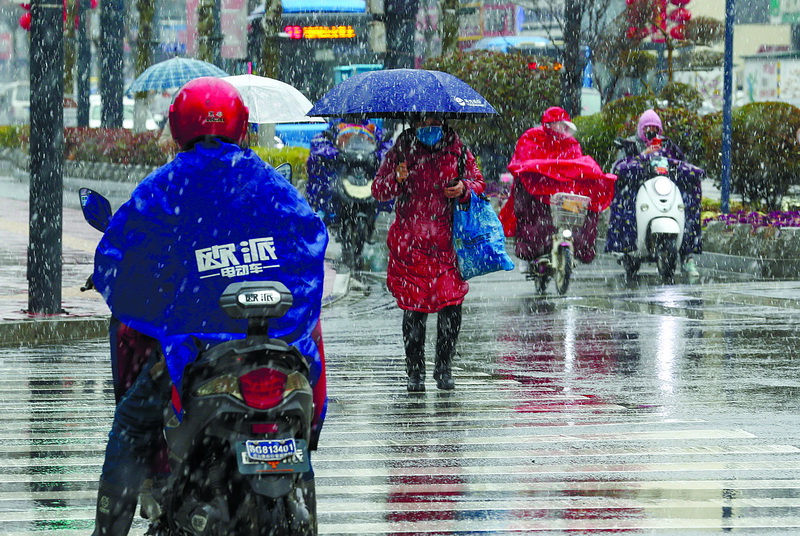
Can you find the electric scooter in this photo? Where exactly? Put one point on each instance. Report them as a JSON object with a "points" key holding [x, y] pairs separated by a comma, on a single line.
{"points": [[356, 165], [239, 447], [660, 222], [569, 213]]}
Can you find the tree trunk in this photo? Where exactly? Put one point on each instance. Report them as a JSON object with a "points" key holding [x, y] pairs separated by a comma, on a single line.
{"points": [[572, 73], [208, 32], [144, 58], [270, 53], [670, 49], [450, 23], [69, 49]]}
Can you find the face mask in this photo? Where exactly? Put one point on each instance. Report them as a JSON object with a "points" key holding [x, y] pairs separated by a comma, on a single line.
{"points": [[651, 134], [430, 135]]}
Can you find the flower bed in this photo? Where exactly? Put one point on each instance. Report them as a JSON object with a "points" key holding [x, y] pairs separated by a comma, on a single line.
{"points": [[758, 220]]}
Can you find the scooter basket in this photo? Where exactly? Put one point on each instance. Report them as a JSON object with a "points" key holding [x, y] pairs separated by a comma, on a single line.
{"points": [[568, 210]]}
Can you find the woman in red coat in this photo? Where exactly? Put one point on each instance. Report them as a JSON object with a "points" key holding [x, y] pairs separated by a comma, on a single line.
{"points": [[422, 172]]}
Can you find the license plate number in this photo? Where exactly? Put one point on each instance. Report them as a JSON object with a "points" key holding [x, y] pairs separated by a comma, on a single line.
{"points": [[257, 456], [269, 450]]}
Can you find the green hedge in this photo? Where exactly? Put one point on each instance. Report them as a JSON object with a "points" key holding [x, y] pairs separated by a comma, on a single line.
{"points": [[765, 151], [296, 156], [13, 137], [518, 91]]}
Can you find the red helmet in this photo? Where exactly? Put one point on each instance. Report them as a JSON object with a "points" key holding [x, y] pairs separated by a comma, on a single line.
{"points": [[207, 106]]}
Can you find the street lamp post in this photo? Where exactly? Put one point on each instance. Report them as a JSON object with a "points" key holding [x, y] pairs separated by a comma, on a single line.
{"points": [[46, 153]]}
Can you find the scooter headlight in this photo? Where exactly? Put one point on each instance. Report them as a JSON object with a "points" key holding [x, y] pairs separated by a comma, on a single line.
{"points": [[566, 234], [663, 186]]}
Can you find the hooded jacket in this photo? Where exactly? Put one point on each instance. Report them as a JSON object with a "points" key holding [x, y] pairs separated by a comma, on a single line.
{"points": [[423, 273], [633, 146]]}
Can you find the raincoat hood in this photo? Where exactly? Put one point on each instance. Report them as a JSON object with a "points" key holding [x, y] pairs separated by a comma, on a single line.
{"points": [[648, 119]]}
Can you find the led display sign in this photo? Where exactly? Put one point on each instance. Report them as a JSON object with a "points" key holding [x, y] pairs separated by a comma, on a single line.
{"points": [[320, 32]]}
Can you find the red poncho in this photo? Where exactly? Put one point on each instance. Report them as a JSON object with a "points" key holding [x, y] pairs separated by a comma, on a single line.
{"points": [[546, 164]]}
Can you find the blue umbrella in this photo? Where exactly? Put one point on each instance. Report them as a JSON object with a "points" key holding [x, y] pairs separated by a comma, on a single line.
{"points": [[400, 93], [173, 73]]}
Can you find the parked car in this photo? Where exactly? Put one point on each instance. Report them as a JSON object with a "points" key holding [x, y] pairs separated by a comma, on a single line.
{"points": [[15, 99], [95, 105]]}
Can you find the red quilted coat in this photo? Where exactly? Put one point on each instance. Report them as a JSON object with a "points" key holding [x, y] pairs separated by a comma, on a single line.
{"points": [[423, 273]]}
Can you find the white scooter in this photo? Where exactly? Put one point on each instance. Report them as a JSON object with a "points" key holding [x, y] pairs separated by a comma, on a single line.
{"points": [[660, 222]]}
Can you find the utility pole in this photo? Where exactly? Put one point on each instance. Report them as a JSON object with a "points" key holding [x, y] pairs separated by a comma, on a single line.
{"points": [[112, 33], [727, 108], [47, 153]]}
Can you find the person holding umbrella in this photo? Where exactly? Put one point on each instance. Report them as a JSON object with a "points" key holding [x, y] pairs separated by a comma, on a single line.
{"points": [[426, 171]]}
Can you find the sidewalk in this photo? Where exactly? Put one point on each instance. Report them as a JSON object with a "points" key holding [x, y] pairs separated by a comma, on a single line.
{"points": [[86, 314]]}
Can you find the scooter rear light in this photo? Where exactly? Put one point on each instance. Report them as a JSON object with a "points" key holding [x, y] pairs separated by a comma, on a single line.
{"points": [[262, 388], [264, 428]]}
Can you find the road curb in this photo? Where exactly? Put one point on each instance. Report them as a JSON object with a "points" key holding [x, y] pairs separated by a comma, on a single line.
{"points": [[37, 331]]}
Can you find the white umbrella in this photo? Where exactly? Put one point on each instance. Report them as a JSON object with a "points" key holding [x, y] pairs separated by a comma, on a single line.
{"points": [[272, 101]]}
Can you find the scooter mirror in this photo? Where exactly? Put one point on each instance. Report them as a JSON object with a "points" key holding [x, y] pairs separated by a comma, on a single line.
{"points": [[96, 209], [285, 170]]}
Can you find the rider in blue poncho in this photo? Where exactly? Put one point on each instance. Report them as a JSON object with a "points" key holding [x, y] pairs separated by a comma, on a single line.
{"points": [[322, 165], [214, 215]]}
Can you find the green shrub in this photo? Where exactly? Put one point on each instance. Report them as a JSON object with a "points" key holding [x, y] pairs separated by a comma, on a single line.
{"points": [[114, 145], [680, 95], [13, 137], [681, 126], [622, 112], [597, 139], [517, 91], [296, 156], [764, 152]]}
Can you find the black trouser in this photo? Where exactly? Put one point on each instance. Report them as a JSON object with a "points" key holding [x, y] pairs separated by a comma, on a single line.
{"points": [[447, 328]]}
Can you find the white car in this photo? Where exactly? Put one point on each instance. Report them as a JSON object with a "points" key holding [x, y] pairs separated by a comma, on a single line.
{"points": [[95, 109], [16, 100]]}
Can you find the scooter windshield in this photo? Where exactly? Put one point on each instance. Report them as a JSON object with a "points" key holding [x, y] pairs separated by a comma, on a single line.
{"points": [[358, 142]]}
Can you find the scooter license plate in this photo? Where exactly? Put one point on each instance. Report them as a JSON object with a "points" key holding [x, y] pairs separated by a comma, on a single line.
{"points": [[256, 456]]}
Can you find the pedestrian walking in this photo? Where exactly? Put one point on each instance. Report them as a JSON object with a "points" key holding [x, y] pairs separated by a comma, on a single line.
{"points": [[427, 171]]}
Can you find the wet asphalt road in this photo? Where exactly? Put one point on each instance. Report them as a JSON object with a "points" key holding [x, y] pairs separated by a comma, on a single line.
{"points": [[644, 408]]}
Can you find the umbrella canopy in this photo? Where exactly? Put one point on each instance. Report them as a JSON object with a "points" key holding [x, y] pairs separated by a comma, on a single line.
{"points": [[400, 93], [173, 73], [272, 101]]}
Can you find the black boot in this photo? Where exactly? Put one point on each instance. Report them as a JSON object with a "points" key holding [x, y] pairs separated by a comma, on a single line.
{"points": [[415, 368], [448, 327], [414, 342], [115, 509], [443, 374]]}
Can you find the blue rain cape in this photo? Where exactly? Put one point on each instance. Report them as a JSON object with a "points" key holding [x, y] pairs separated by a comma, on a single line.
{"points": [[213, 216]]}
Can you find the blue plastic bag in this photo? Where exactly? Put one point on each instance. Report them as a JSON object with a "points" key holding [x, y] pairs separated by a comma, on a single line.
{"points": [[478, 238]]}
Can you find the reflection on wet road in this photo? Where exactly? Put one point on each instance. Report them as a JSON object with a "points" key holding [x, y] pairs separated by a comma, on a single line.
{"points": [[646, 409]]}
